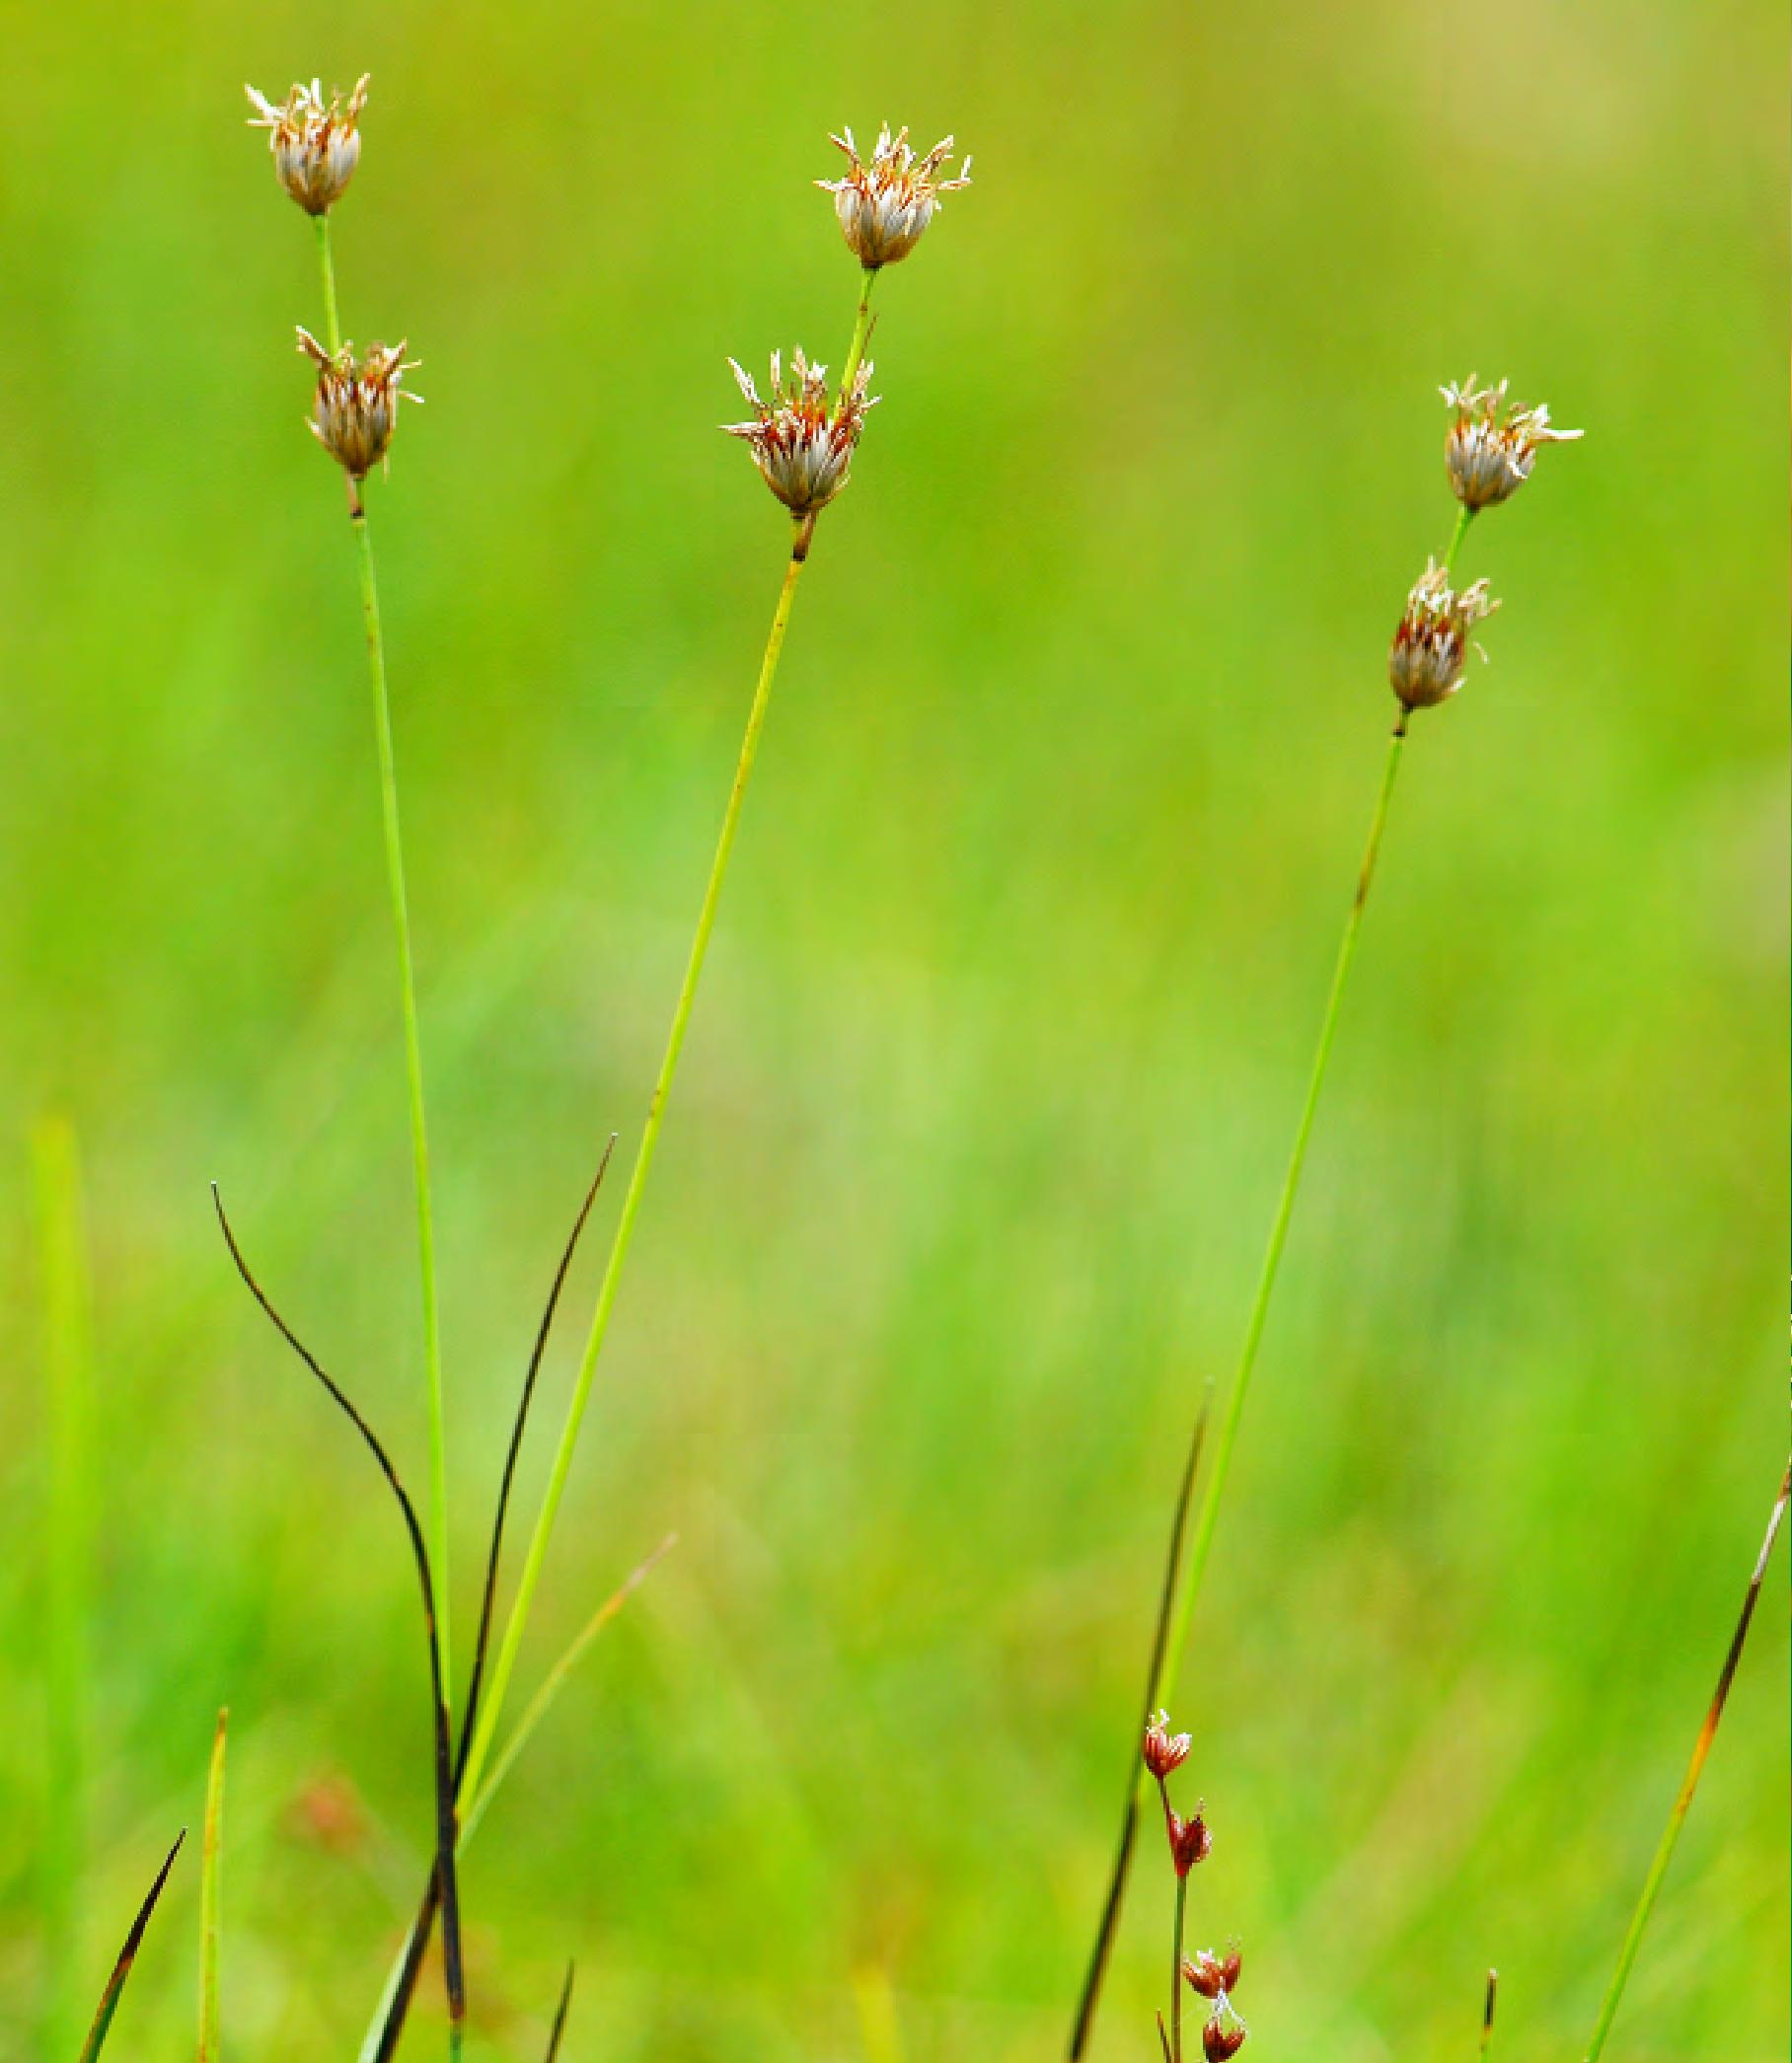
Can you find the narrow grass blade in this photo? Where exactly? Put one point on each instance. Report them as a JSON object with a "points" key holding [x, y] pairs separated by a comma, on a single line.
{"points": [[560, 2018], [395, 2002], [211, 1871], [68, 1534], [1493, 1992], [1677, 1817], [554, 1681], [445, 1830], [1129, 1822], [133, 1941]]}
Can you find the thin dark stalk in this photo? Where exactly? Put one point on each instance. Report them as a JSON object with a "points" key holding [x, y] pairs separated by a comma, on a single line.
{"points": [[445, 1828], [1129, 1822], [560, 2018], [133, 1941], [1677, 1817], [417, 1943], [1493, 1992]]}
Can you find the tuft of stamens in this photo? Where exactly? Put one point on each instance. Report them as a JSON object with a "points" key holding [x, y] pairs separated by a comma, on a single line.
{"points": [[1431, 645], [884, 206], [801, 442], [315, 143], [356, 411], [1490, 447]]}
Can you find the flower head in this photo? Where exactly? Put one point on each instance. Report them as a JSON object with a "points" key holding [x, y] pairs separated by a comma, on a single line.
{"points": [[1224, 2034], [1163, 1750], [1431, 646], [357, 402], [1212, 1977], [1190, 1841], [803, 443], [884, 206], [314, 142], [1490, 448]]}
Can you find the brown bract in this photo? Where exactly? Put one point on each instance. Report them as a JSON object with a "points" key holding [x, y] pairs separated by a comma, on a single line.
{"points": [[314, 142], [883, 207]]}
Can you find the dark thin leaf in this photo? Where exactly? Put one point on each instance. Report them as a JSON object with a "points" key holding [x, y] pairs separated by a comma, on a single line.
{"points": [[444, 1779], [114, 1984], [560, 2018]]}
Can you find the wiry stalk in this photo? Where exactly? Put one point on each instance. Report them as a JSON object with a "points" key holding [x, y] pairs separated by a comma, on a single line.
{"points": [[643, 1161], [1186, 1588], [127, 1956], [1175, 1971], [1677, 1817], [413, 1055]]}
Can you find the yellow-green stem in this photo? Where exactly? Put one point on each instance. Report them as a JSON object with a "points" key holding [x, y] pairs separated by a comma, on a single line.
{"points": [[638, 1178], [414, 1053], [1682, 1803], [1175, 1971], [861, 331]]}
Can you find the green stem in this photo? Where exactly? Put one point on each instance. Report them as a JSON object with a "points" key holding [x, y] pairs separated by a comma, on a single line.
{"points": [[413, 1071], [638, 1178], [1175, 1972], [333, 323], [1465, 517], [861, 331], [414, 1053], [1278, 1232], [1677, 1817]]}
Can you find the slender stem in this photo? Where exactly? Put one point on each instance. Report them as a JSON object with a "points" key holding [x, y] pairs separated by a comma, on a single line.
{"points": [[1677, 1817], [413, 1055], [333, 323], [413, 1071], [638, 1178], [861, 331], [1168, 1652], [1465, 517], [1175, 1972], [1493, 1993]]}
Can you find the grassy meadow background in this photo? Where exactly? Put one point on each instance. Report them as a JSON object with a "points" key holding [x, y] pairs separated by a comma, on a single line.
{"points": [[992, 1079]]}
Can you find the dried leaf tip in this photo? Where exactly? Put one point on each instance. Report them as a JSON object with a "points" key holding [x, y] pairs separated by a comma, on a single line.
{"points": [[884, 205], [801, 442], [315, 142], [1430, 650], [355, 411], [1491, 447]]}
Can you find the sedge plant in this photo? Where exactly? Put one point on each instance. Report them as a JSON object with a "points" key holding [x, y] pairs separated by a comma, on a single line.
{"points": [[1491, 449]]}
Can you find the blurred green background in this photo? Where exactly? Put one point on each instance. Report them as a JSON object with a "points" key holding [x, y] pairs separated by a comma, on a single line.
{"points": [[1003, 1038]]}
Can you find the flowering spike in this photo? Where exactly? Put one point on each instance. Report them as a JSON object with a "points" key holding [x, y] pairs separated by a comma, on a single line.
{"points": [[1431, 645], [1163, 1750], [801, 442], [1224, 2034], [884, 206], [355, 411], [1212, 1977], [315, 143], [1190, 1841], [1490, 448]]}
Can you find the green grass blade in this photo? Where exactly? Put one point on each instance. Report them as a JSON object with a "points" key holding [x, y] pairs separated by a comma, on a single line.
{"points": [[560, 2018], [67, 1531], [114, 1984], [210, 1869]]}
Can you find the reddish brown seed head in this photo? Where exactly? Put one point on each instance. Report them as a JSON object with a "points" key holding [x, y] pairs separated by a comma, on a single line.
{"points": [[1190, 1841], [1221, 2039], [1212, 1975], [1163, 1750]]}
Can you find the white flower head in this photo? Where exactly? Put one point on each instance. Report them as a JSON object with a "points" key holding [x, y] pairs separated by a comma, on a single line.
{"points": [[315, 142], [803, 443], [1490, 448], [884, 205], [1431, 645], [356, 408]]}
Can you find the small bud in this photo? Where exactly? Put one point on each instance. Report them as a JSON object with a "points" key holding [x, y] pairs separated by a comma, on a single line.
{"points": [[314, 142], [1224, 2034], [356, 408], [1190, 1841], [1431, 645], [803, 444], [1163, 1750], [1212, 1977], [884, 206], [1489, 448]]}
